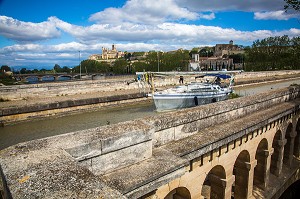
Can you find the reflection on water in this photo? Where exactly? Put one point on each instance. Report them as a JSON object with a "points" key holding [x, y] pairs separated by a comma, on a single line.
{"points": [[10, 135], [48, 78]]}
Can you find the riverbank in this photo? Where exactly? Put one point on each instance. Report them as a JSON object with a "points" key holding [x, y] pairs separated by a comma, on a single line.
{"points": [[112, 93]]}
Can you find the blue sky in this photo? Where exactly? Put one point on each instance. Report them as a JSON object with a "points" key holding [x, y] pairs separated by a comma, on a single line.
{"points": [[42, 33]]}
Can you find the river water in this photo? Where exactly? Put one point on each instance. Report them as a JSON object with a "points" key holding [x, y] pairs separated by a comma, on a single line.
{"points": [[26, 131]]}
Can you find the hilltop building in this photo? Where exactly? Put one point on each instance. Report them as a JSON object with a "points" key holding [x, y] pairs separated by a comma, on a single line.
{"points": [[227, 49], [220, 59], [107, 54]]}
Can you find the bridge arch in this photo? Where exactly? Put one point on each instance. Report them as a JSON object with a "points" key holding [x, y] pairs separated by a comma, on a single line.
{"points": [[32, 79], [215, 183], [64, 77], [296, 152], [277, 157], [288, 147], [241, 169], [47, 78], [261, 171], [180, 193]]}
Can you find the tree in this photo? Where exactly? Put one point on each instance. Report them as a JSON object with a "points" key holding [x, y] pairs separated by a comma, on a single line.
{"points": [[5, 68], [140, 66], [120, 66], [292, 5], [66, 69], [23, 71], [57, 68], [273, 53]]}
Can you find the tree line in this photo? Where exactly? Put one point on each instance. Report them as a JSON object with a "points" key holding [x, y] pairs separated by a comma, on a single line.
{"points": [[273, 53]]}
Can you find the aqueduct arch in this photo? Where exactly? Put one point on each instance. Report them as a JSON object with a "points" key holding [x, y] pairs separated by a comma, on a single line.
{"points": [[288, 147], [277, 156], [241, 169], [261, 172], [214, 186], [296, 152], [179, 193]]}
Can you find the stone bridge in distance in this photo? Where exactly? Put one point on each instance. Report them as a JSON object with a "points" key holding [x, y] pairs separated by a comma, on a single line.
{"points": [[242, 148]]}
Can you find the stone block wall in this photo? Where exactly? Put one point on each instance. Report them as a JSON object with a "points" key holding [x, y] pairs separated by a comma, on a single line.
{"points": [[114, 148]]}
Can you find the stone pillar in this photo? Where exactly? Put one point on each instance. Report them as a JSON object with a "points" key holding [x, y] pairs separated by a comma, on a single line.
{"points": [[268, 154], [250, 167], [228, 186], [262, 170]]}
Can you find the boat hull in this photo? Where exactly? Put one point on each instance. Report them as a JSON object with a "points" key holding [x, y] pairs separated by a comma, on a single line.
{"points": [[171, 102]]}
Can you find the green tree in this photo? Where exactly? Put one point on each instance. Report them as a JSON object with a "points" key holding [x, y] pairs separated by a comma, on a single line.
{"points": [[139, 66], [23, 71], [65, 69], [120, 66], [273, 53], [57, 68], [5, 68], [194, 51]]}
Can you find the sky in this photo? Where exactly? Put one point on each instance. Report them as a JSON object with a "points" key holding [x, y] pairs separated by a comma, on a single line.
{"points": [[42, 33]]}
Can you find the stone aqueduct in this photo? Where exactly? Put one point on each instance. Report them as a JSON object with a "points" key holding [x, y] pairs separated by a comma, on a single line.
{"points": [[244, 167], [242, 148]]}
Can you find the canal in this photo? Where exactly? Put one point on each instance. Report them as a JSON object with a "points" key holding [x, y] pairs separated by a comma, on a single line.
{"points": [[26, 131]]}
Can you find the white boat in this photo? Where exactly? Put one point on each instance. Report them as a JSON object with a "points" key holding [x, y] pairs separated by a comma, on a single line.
{"points": [[193, 94]]}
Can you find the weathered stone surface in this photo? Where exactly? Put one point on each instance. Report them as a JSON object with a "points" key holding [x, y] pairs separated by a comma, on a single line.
{"points": [[139, 179], [68, 103], [49, 173]]}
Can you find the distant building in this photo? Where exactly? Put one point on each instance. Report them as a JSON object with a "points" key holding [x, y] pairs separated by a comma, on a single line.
{"points": [[211, 63], [227, 49], [107, 54]]}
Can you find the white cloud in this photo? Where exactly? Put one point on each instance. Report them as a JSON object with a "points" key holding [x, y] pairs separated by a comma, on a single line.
{"points": [[275, 15], [208, 16], [27, 31], [145, 11], [139, 25], [21, 48]]}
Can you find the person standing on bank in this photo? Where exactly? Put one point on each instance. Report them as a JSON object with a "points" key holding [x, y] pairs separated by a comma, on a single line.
{"points": [[181, 80]]}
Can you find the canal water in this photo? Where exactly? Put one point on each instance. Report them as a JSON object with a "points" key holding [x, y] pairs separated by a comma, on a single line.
{"points": [[14, 134]]}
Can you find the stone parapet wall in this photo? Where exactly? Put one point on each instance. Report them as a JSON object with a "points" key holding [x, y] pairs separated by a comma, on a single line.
{"points": [[63, 88], [10, 115]]}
